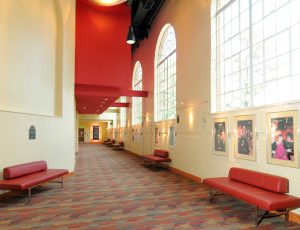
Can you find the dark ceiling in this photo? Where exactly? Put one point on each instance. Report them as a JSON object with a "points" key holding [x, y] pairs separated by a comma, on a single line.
{"points": [[143, 12]]}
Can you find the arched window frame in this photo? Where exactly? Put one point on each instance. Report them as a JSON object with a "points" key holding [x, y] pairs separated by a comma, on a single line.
{"points": [[165, 75], [137, 102]]}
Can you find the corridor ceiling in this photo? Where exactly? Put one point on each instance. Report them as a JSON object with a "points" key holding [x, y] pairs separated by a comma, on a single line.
{"points": [[103, 70]]}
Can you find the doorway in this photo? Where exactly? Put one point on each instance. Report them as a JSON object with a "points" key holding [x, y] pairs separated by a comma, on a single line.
{"points": [[81, 135]]}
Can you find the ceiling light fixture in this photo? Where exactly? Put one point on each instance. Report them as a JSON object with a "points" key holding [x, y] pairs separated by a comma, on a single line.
{"points": [[130, 36], [108, 2]]}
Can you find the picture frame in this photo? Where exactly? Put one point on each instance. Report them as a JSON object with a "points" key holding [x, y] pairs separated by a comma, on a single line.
{"points": [[220, 136], [156, 135], [282, 138], [245, 137], [172, 135]]}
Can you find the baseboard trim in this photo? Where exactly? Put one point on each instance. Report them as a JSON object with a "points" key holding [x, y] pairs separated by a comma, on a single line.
{"points": [[185, 174], [70, 174], [294, 217], [175, 170]]}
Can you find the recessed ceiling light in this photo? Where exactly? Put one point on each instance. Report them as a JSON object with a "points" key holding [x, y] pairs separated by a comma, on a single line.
{"points": [[102, 102], [101, 105], [105, 99], [84, 107], [108, 2]]}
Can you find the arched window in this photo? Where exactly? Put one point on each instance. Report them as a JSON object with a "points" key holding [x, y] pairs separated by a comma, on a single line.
{"points": [[165, 75], [122, 113], [137, 101], [255, 53]]}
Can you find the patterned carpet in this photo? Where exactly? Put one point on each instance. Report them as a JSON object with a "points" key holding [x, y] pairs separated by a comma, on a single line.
{"points": [[113, 190]]}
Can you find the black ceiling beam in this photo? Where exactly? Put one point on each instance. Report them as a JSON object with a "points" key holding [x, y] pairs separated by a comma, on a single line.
{"points": [[143, 13]]}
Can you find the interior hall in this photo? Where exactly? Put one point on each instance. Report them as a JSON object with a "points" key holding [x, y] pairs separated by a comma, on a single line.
{"points": [[149, 114]]}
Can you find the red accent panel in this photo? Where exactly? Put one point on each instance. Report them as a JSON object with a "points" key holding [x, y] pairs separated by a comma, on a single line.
{"points": [[102, 55], [161, 153], [120, 104], [24, 169], [31, 180], [261, 180], [262, 198], [135, 93]]}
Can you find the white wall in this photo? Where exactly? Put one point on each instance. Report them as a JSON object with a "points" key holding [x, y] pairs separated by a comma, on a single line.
{"points": [[37, 82]]}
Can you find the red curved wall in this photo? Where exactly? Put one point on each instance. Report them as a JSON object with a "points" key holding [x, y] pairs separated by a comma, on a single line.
{"points": [[102, 55]]}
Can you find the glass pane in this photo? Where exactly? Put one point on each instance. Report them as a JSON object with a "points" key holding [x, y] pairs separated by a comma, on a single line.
{"points": [[295, 16], [257, 32], [257, 12], [269, 25], [271, 92], [270, 69], [295, 37], [295, 61], [258, 96], [282, 42], [296, 86], [283, 66], [285, 89], [270, 48], [258, 53], [258, 74], [244, 18], [269, 6], [283, 18]]}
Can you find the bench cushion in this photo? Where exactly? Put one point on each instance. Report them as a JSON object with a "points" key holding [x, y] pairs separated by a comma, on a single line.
{"points": [[30, 180], [264, 199], [157, 159], [24, 169], [262, 180], [161, 153]]}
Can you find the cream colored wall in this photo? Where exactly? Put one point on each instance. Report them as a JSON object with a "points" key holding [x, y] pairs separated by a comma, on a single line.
{"points": [[193, 150], [37, 76], [25, 78]]}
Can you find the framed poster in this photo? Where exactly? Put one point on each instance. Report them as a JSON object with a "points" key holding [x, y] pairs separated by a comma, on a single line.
{"points": [[244, 137], [95, 132], [156, 135], [172, 135], [220, 136], [282, 138]]}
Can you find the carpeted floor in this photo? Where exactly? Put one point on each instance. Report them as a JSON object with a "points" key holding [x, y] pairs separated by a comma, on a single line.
{"points": [[113, 190]]}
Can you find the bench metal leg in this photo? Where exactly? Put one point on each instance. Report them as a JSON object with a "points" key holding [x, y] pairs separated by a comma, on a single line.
{"points": [[213, 193], [29, 196], [259, 218], [62, 182]]}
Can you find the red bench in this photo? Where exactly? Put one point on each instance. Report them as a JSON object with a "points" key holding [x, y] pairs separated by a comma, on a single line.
{"points": [[110, 143], [27, 176], [159, 157], [264, 191], [119, 146]]}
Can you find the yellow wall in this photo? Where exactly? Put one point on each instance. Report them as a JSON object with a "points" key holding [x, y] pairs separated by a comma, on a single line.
{"points": [[88, 130], [37, 82], [193, 150]]}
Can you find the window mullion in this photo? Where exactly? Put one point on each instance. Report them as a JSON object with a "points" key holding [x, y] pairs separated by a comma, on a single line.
{"points": [[251, 53]]}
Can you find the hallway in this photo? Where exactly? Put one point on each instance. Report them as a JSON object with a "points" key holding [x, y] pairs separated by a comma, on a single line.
{"points": [[113, 190]]}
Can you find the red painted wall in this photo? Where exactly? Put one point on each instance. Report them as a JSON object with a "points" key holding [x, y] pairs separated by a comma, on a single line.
{"points": [[102, 55]]}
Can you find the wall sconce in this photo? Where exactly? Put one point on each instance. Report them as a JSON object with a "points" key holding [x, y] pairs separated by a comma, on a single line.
{"points": [[130, 36]]}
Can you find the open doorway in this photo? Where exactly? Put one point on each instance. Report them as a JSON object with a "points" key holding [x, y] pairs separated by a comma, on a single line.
{"points": [[81, 135]]}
